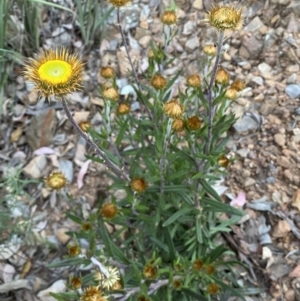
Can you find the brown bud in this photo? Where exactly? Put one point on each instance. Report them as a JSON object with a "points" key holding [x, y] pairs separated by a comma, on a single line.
{"points": [[193, 81], [109, 210], [158, 82], [138, 184], [169, 17], [210, 50], [194, 123], [107, 72], [222, 77], [173, 108], [123, 108], [231, 94], [110, 94]]}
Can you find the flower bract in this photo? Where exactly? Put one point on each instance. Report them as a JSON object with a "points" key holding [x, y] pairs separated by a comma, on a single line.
{"points": [[55, 72]]}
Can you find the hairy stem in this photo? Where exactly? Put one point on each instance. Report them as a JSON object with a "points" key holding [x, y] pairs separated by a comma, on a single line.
{"points": [[118, 171], [210, 93]]}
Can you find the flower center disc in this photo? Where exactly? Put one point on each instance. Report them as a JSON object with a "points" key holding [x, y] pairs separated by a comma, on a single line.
{"points": [[55, 72]]}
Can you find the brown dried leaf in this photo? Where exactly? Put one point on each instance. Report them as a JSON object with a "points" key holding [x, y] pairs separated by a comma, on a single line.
{"points": [[281, 229]]}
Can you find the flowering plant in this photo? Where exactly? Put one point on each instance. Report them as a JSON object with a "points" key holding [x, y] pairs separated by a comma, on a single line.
{"points": [[166, 159]]}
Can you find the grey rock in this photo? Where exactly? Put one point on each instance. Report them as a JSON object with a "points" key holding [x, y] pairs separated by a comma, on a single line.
{"points": [[246, 123], [293, 90], [254, 25], [192, 43], [252, 46]]}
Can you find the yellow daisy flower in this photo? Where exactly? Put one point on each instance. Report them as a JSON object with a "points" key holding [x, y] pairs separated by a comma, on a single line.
{"points": [[55, 72]]}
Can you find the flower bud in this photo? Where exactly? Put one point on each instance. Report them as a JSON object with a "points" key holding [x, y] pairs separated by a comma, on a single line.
{"points": [[169, 17], [210, 269], [85, 125], [223, 161], [193, 81], [231, 94], [76, 282], [225, 17], [123, 108], [238, 85], [56, 180], [210, 50], [107, 72], [109, 210], [177, 125], [173, 108], [194, 123], [150, 271], [138, 185], [158, 82], [73, 251], [212, 289], [198, 264], [110, 94], [222, 77]]}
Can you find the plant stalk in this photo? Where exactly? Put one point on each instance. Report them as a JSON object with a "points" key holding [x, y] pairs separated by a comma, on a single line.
{"points": [[210, 93], [118, 171]]}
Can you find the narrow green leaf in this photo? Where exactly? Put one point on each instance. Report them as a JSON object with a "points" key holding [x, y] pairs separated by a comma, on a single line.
{"points": [[74, 218], [209, 189], [176, 215], [160, 244], [216, 206], [193, 294], [76, 261], [199, 230]]}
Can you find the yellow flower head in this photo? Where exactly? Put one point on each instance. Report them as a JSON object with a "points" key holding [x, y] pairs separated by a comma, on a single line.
{"points": [[108, 281], [238, 85], [193, 81], [194, 123], [56, 180], [110, 94], [138, 184], [177, 125], [225, 17], [55, 72], [173, 108], [92, 293], [109, 210], [210, 50], [169, 17], [107, 72], [123, 108], [158, 82], [119, 3], [222, 77], [231, 94]]}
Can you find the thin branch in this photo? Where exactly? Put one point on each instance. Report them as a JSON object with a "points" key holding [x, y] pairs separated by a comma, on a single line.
{"points": [[118, 171], [210, 93]]}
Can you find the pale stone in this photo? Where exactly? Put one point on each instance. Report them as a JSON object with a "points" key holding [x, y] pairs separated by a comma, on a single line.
{"points": [[279, 139], [198, 4]]}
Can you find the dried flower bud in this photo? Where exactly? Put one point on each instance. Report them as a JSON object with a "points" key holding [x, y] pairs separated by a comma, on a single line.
{"points": [[178, 125], [173, 108], [169, 17], [193, 81], [222, 77], [85, 125], [107, 72], [198, 264], [231, 94], [56, 180], [158, 82], [225, 17], [76, 282], [123, 108], [143, 298], [109, 210], [86, 226], [210, 269], [212, 289], [92, 293], [150, 271], [110, 94], [73, 251], [210, 50], [117, 286], [150, 54], [223, 161], [238, 85], [194, 123], [138, 184]]}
